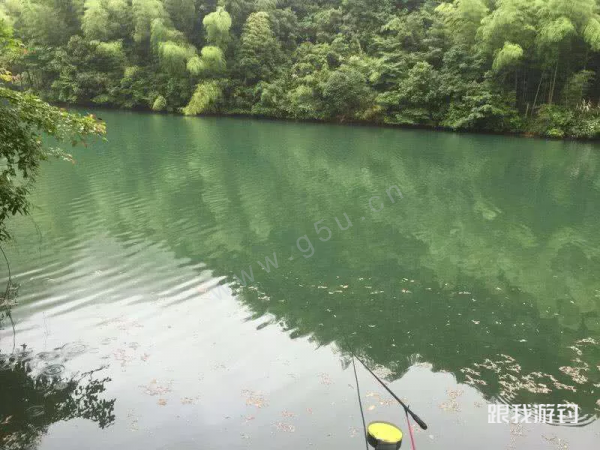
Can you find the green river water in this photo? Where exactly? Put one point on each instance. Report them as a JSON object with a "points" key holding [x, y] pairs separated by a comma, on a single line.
{"points": [[464, 268]]}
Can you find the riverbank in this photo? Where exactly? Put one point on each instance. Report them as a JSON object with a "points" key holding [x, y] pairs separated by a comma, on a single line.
{"points": [[529, 133]]}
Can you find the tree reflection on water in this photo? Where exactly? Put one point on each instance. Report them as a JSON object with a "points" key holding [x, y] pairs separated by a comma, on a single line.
{"points": [[35, 393]]}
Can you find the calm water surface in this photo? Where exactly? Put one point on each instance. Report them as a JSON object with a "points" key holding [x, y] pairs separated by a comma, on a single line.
{"points": [[480, 285]]}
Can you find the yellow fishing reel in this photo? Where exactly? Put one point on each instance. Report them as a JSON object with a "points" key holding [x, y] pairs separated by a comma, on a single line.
{"points": [[384, 436]]}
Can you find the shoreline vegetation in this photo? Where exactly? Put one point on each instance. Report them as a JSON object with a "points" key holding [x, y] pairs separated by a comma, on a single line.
{"points": [[354, 123], [510, 67]]}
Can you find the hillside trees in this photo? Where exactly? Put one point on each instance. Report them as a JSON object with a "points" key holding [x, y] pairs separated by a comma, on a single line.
{"points": [[508, 65]]}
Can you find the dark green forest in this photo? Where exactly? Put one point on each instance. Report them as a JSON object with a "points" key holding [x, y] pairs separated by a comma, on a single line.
{"points": [[524, 66]]}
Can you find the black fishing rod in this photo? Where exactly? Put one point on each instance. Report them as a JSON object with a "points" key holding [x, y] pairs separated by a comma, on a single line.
{"points": [[416, 418], [384, 435]]}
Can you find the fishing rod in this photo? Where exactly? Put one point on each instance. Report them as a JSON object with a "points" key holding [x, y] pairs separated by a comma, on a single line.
{"points": [[407, 409], [384, 435]]}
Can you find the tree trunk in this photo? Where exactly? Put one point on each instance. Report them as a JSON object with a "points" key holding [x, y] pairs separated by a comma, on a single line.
{"points": [[553, 85], [537, 93]]}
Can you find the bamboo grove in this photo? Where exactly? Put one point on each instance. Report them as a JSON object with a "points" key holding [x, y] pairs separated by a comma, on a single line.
{"points": [[526, 66]]}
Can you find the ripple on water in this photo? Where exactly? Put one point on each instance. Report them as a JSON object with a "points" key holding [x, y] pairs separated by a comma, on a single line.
{"points": [[35, 411], [48, 356], [73, 349], [53, 370]]}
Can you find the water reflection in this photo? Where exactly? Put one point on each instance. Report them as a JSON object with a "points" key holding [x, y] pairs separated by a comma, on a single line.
{"points": [[487, 269], [35, 392]]}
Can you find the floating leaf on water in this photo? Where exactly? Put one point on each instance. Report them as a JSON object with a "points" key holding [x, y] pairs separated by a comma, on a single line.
{"points": [[325, 379], [285, 427], [254, 399], [162, 402], [155, 389]]}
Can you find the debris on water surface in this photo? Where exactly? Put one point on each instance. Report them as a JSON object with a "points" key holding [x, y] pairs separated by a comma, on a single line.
{"points": [[353, 432], [517, 429], [189, 401], [156, 389], [559, 444], [452, 404], [133, 422], [371, 408], [325, 379], [382, 372], [423, 365], [285, 427], [288, 414], [122, 356], [145, 357], [162, 402], [254, 399], [382, 402], [575, 373], [416, 429]]}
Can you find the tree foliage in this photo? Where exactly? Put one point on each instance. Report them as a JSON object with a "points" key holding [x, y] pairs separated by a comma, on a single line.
{"points": [[25, 121], [469, 64]]}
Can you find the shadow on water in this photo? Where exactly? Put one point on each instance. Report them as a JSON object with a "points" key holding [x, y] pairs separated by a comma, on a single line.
{"points": [[487, 268], [36, 393]]}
